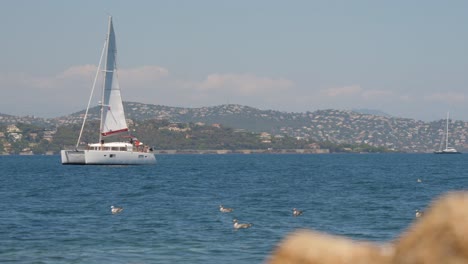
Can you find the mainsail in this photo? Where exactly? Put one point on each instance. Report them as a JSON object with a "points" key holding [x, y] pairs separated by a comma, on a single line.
{"points": [[113, 116]]}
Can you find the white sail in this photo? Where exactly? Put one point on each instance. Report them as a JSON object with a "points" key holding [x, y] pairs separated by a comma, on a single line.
{"points": [[113, 116]]}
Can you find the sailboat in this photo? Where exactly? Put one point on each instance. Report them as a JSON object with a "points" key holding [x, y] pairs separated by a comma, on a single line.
{"points": [[129, 152], [447, 150]]}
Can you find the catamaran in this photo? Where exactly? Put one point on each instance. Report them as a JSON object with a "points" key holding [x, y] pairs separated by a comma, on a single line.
{"points": [[447, 150], [130, 152]]}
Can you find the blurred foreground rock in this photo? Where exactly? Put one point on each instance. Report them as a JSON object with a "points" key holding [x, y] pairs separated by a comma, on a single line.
{"points": [[440, 236]]}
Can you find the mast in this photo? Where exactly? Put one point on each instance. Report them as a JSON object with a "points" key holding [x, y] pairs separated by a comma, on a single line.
{"points": [[446, 135], [106, 67]]}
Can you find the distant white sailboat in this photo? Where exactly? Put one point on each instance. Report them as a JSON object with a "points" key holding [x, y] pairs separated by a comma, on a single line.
{"points": [[447, 150], [130, 152]]}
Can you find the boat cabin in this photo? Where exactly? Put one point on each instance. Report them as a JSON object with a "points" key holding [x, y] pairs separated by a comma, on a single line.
{"points": [[113, 146]]}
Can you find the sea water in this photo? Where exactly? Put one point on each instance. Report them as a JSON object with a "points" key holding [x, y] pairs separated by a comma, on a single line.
{"points": [[52, 213]]}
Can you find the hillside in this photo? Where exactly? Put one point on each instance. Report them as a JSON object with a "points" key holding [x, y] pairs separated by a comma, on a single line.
{"points": [[344, 127], [235, 116]]}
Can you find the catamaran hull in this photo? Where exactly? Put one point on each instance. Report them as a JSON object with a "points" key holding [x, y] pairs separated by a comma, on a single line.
{"points": [[73, 157], [102, 157]]}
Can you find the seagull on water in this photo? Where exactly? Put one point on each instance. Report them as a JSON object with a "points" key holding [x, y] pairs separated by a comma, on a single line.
{"points": [[419, 180], [116, 210], [419, 213], [296, 212], [239, 226], [225, 209]]}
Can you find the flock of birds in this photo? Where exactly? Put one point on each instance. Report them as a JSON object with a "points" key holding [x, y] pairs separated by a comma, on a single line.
{"points": [[238, 225], [295, 212], [222, 209]]}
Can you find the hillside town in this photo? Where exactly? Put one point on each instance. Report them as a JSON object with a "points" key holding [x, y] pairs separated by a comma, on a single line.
{"points": [[336, 126]]}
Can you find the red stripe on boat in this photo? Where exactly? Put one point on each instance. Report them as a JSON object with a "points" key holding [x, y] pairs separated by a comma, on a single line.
{"points": [[114, 132]]}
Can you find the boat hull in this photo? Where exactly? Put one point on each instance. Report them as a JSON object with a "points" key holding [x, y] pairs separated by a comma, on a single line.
{"points": [[104, 157], [73, 157]]}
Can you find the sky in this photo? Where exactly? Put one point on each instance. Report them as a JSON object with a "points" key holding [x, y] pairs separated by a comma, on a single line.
{"points": [[405, 58]]}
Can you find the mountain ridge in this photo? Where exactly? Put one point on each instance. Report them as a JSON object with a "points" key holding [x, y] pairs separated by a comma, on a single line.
{"points": [[362, 111]]}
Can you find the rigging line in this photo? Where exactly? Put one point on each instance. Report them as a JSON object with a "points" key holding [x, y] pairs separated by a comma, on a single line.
{"points": [[447, 133], [91, 96]]}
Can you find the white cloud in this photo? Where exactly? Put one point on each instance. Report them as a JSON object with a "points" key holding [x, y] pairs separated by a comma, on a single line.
{"points": [[376, 94], [342, 91], [222, 88], [448, 98], [68, 90], [83, 75], [357, 91], [80, 71], [142, 76], [76, 76], [243, 84]]}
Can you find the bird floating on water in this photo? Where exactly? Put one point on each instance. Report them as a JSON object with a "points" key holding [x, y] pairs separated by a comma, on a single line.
{"points": [[296, 212], [116, 210], [225, 209], [239, 226], [419, 213], [419, 180]]}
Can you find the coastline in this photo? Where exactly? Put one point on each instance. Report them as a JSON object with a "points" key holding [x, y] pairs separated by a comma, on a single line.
{"points": [[207, 151], [244, 151]]}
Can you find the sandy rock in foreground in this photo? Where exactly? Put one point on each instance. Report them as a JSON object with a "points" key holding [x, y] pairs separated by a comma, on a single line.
{"points": [[311, 247], [439, 236]]}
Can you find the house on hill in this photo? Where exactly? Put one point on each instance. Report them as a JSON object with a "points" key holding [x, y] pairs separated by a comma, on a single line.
{"points": [[13, 129]]}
